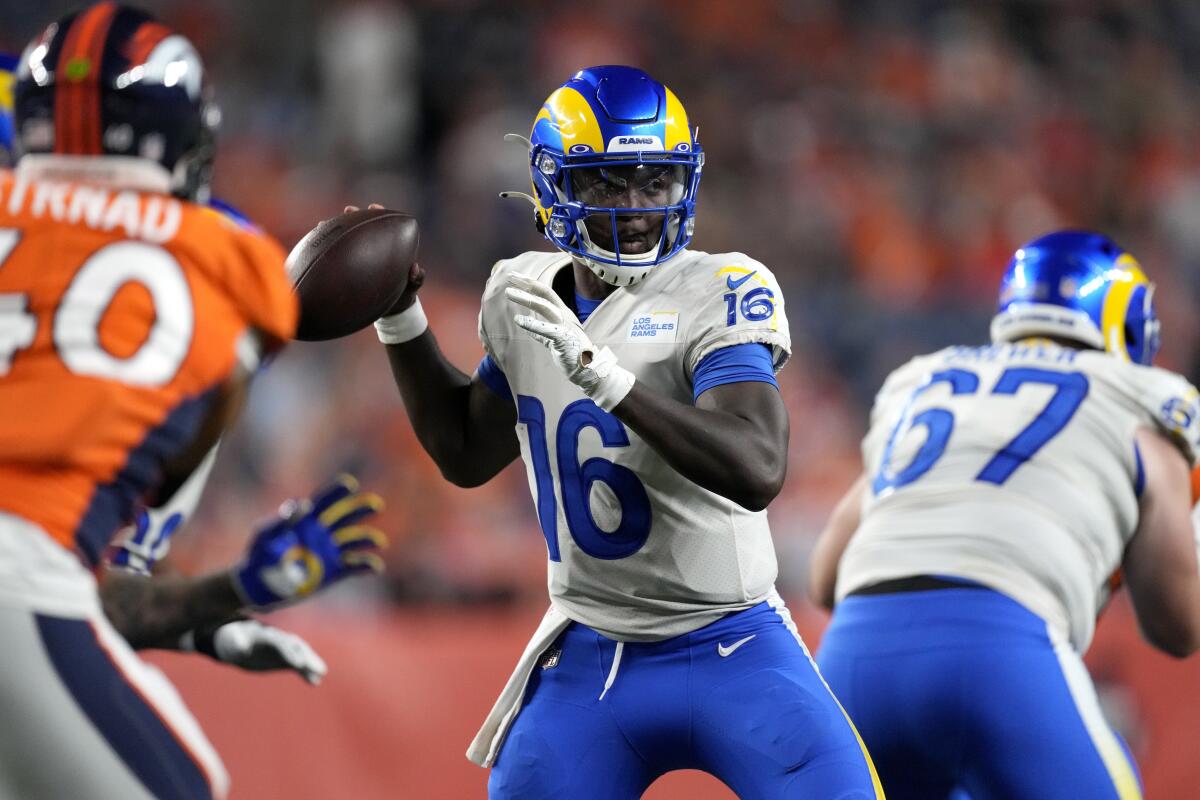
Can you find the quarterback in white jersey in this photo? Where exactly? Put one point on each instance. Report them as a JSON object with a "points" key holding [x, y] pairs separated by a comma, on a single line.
{"points": [[708, 555], [1005, 487], [635, 378]]}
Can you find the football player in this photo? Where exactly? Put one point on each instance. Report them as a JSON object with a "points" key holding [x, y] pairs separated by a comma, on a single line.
{"points": [[1004, 487], [636, 379], [230, 637], [130, 320]]}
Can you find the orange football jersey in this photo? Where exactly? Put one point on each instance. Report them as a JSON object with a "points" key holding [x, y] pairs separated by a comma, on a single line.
{"points": [[121, 313]]}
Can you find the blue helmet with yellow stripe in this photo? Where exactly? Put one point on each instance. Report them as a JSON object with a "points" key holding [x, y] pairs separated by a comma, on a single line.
{"points": [[615, 169], [1079, 286], [8, 67]]}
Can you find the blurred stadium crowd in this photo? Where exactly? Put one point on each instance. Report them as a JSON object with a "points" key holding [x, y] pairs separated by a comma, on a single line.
{"points": [[883, 158]]}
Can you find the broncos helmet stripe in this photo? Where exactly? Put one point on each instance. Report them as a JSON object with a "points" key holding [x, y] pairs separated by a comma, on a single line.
{"points": [[605, 134], [111, 80], [1080, 286], [77, 103]]}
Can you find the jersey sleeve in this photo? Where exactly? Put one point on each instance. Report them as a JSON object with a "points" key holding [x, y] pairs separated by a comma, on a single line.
{"points": [[489, 290], [740, 302], [263, 291], [739, 363], [1174, 405], [493, 377]]}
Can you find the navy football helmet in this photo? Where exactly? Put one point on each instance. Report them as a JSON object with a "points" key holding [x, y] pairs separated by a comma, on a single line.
{"points": [[615, 169], [111, 81], [1079, 286]]}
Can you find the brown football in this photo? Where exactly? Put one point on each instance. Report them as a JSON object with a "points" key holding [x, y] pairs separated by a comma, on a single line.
{"points": [[350, 269]]}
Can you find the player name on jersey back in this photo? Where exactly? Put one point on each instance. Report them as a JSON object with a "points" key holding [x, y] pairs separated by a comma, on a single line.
{"points": [[124, 315], [150, 217]]}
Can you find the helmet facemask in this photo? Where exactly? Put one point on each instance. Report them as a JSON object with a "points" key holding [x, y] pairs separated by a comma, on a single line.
{"points": [[618, 215], [614, 168], [191, 179]]}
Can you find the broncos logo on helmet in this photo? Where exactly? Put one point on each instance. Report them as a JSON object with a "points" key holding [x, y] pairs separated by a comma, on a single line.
{"points": [[615, 169], [111, 81], [1083, 287]]}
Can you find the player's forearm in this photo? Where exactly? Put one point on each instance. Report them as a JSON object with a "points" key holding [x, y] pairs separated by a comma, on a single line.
{"points": [[155, 612], [743, 460], [437, 397]]}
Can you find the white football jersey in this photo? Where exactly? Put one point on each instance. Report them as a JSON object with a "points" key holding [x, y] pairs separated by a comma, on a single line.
{"points": [[1013, 465], [637, 551]]}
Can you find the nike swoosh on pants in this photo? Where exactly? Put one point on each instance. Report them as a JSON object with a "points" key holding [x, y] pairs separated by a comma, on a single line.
{"points": [[724, 651]]}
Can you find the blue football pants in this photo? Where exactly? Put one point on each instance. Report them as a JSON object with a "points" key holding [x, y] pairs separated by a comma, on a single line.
{"points": [[965, 692], [739, 699]]}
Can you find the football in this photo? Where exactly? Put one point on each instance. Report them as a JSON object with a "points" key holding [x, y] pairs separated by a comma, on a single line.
{"points": [[350, 269]]}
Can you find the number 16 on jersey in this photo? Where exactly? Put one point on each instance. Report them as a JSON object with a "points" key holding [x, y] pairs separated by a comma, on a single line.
{"points": [[576, 480]]}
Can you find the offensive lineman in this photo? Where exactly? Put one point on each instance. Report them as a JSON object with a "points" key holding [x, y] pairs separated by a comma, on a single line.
{"points": [[636, 380], [1005, 485]]}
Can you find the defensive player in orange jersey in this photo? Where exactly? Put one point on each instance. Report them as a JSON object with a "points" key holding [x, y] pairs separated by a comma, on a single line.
{"points": [[239, 641], [131, 318]]}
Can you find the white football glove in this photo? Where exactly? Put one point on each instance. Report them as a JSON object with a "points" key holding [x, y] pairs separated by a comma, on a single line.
{"points": [[594, 371], [255, 646]]}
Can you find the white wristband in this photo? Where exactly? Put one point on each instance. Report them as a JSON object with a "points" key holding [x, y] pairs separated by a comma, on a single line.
{"points": [[606, 381], [403, 327], [612, 390]]}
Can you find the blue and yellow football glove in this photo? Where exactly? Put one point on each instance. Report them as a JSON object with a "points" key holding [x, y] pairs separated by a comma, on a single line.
{"points": [[315, 542]]}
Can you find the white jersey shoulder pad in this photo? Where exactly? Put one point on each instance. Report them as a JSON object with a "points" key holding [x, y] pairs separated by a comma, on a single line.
{"points": [[493, 308], [1172, 401], [732, 299]]}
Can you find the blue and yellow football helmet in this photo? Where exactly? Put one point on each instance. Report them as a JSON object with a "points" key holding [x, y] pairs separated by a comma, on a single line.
{"points": [[615, 169], [8, 66], [1079, 286]]}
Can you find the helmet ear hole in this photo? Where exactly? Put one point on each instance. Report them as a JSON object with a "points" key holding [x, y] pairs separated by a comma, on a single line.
{"points": [[1133, 338]]}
